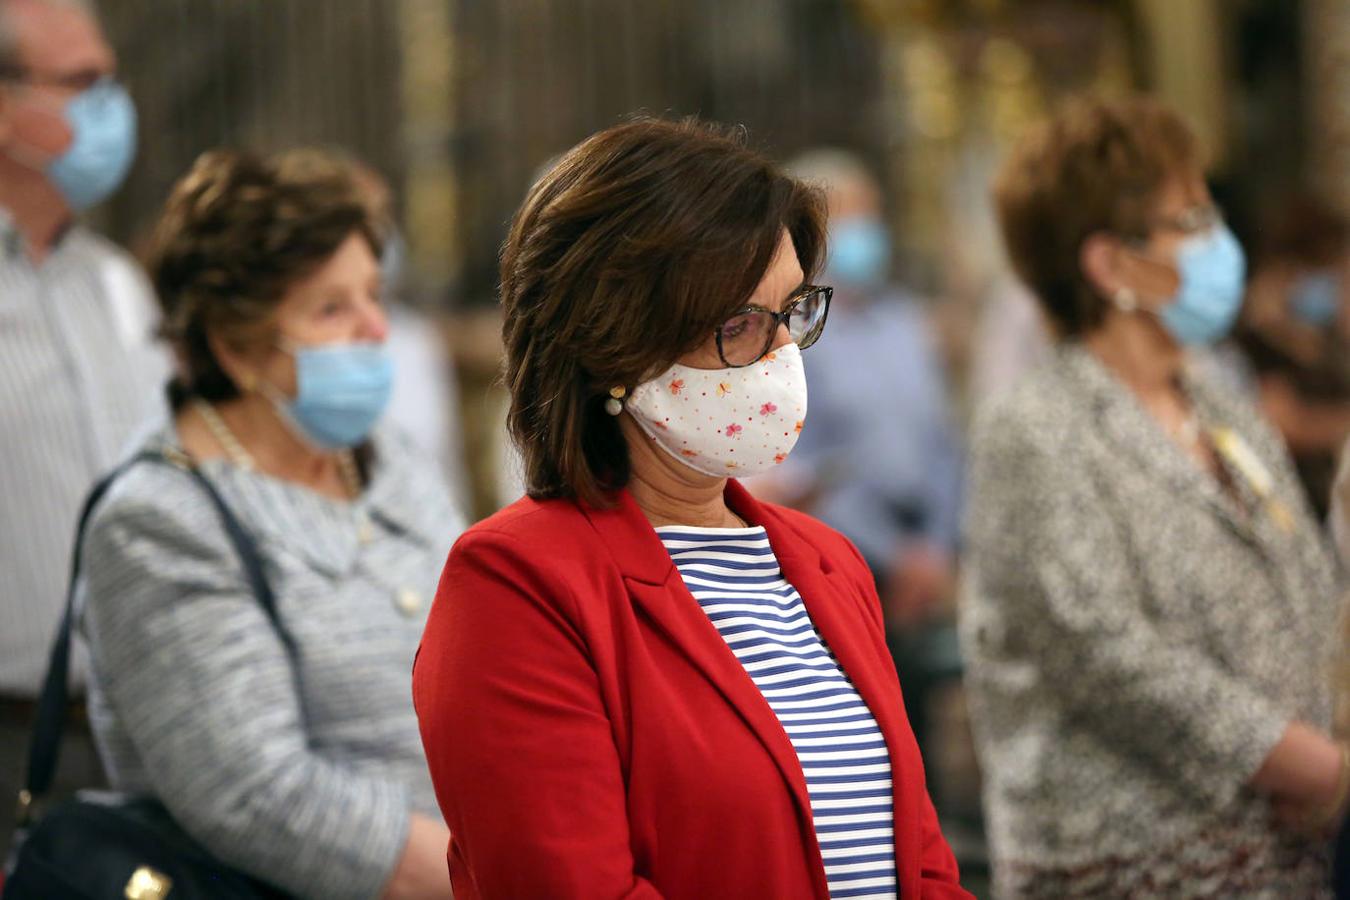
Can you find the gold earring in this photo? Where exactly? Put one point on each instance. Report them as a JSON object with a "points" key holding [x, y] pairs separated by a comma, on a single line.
{"points": [[614, 405]]}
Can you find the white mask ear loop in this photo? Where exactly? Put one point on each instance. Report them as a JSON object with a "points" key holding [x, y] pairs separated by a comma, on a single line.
{"points": [[278, 399], [280, 404]]}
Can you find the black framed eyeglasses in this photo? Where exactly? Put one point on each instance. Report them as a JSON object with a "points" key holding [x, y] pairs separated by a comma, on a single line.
{"points": [[1191, 220], [746, 337]]}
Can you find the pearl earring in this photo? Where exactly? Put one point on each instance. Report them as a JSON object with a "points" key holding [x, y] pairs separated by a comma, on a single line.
{"points": [[1125, 300], [614, 405]]}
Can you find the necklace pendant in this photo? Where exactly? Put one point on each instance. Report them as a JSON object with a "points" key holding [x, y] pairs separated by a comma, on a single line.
{"points": [[1281, 516]]}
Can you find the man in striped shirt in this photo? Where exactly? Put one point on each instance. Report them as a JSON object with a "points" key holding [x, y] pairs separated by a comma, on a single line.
{"points": [[79, 370]]}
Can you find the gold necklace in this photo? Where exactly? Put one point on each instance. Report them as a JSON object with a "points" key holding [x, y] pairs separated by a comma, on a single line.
{"points": [[223, 435], [234, 449], [349, 473]]}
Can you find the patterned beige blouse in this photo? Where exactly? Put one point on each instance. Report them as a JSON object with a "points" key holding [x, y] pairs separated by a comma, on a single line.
{"points": [[1137, 640]]}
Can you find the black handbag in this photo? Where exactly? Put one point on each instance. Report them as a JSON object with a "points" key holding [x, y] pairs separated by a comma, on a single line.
{"points": [[97, 845]]}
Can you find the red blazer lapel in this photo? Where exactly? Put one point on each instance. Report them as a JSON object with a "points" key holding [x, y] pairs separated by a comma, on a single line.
{"points": [[659, 593]]}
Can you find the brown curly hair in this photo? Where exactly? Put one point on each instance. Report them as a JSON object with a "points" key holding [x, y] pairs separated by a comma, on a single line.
{"points": [[1095, 166], [627, 254], [237, 231]]}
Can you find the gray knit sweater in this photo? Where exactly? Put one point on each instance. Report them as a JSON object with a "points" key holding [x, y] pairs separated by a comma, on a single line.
{"points": [[192, 695]]}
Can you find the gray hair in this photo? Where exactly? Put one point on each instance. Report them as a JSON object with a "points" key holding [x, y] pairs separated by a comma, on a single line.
{"points": [[10, 60]]}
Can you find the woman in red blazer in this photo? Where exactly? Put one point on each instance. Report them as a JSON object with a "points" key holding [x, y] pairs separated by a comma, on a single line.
{"points": [[639, 681]]}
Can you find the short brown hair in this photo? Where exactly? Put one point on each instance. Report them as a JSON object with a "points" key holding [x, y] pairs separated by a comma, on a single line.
{"points": [[626, 255], [236, 232], [1096, 166]]}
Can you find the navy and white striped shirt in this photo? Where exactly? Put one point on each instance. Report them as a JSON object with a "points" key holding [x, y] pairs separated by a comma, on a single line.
{"points": [[734, 576]]}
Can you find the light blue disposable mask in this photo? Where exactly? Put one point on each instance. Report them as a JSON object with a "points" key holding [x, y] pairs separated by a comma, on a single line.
{"points": [[342, 390], [1212, 267], [1315, 298], [102, 121], [859, 252]]}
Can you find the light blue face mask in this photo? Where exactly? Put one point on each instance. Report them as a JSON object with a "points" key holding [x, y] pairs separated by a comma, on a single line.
{"points": [[859, 252], [1205, 306], [1315, 298], [102, 121], [342, 390]]}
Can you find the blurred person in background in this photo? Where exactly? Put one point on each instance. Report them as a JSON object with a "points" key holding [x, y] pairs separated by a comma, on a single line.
{"points": [[307, 771], [79, 369], [1011, 338], [425, 402], [639, 681], [879, 459], [1294, 336], [1149, 608]]}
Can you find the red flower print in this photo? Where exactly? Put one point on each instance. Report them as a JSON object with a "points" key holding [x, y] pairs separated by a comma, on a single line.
{"points": [[676, 386], [661, 425], [770, 356], [778, 458], [732, 430], [799, 426], [723, 389], [767, 408], [687, 452]]}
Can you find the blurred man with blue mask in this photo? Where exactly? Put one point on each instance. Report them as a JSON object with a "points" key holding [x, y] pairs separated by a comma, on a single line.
{"points": [[79, 368], [878, 458]]}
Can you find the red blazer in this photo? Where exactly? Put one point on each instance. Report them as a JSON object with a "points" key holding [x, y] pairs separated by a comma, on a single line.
{"points": [[591, 735]]}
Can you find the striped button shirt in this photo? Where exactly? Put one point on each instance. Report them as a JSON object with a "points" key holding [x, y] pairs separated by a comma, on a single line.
{"points": [[734, 576], [79, 376]]}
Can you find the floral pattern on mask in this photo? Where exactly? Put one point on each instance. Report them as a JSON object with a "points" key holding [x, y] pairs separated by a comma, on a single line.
{"points": [[721, 422]]}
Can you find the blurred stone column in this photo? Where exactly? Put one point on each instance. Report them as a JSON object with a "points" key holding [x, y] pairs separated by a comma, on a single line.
{"points": [[1185, 63], [433, 219], [1326, 81], [427, 40]]}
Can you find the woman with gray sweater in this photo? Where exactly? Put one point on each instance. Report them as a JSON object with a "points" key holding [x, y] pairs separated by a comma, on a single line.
{"points": [[1150, 610], [300, 766]]}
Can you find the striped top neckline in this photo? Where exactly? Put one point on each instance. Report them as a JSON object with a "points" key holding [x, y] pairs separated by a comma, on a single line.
{"points": [[734, 576]]}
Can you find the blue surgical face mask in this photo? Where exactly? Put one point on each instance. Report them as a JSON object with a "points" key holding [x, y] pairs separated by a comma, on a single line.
{"points": [[102, 121], [1212, 267], [342, 390], [1315, 298], [859, 252]]}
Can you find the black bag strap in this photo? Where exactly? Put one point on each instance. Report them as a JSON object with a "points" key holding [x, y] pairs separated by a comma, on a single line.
{"points": [[50, 722]]}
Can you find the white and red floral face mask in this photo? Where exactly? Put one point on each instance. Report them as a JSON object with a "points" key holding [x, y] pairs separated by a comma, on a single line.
{"points": [[726, 422]]}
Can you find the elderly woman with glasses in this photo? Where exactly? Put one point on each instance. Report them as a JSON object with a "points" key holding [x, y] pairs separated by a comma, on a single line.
{"points": [[1150, 609], [639, 681]]}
